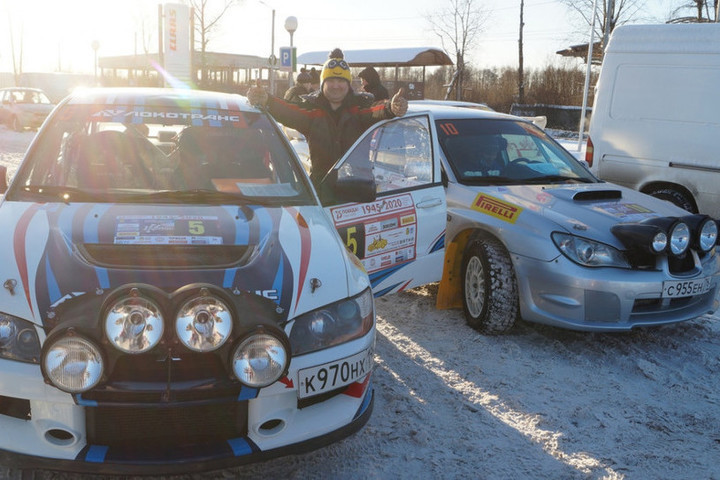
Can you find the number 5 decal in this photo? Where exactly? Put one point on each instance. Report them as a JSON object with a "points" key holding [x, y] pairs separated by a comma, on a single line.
{"points": [[351, 241], [196, 227]]}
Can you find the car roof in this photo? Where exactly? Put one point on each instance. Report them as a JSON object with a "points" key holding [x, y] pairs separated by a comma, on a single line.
{"points": [[453, 103], [449, 111], [23, 89], [158, 96]]}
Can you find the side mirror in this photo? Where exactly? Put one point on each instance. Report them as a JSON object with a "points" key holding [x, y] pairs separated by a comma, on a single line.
{"points": [[3, 179], [334, 190]]}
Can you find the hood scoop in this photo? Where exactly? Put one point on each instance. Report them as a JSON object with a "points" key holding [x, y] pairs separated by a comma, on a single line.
{"points": [[595, 195]]}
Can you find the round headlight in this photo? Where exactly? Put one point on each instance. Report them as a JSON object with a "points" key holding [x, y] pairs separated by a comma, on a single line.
{"points": [[679, 238], [73, 364], [708, 234], [134, 324], [7, 332], [203, 323], [659, 242], [259, 360]]}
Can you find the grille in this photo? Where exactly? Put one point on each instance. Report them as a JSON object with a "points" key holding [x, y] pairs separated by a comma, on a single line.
{"points": [[165, 426], [164, 256]]}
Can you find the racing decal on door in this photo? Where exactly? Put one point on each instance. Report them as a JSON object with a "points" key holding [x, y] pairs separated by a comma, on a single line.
{"points": [[495, 207], [382, 234]]}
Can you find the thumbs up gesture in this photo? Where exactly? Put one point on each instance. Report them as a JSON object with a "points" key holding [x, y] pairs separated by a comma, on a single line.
{"points": [[399, 103]]}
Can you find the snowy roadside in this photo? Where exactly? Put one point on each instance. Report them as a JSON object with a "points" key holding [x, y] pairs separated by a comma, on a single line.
{"points": [[537, 403]]}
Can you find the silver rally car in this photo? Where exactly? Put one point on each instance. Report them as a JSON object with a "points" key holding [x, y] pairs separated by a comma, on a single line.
{"points": [[513, 226], [175, 298]]}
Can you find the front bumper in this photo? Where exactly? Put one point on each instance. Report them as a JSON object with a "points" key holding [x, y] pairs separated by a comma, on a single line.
{"points": [[45, 428], [564, 294]]}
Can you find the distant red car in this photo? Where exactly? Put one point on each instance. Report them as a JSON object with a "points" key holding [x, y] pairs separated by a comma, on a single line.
{"points": [[22, 107]]}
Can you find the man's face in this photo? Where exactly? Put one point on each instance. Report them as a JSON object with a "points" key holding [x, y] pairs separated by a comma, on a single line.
{"points": [[335, 89]]}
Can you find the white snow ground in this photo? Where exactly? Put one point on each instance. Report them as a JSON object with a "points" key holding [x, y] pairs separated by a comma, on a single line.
{"points": [[539, 403]]}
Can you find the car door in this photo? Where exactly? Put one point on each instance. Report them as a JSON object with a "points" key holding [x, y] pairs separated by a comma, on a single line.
{"points": [[399, 237]]}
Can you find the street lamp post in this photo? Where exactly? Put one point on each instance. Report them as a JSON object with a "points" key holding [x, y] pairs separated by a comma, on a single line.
{"points": [[291, 25], [95, 46]]}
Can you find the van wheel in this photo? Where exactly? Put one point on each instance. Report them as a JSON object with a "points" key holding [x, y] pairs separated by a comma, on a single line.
{"points": [[490, 298], [681, 199]]}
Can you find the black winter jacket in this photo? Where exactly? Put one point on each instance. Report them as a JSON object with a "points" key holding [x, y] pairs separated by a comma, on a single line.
{"points": [[329, 133]]}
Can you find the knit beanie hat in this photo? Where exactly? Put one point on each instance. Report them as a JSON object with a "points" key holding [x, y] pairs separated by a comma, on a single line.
{"points": [[314, 75], [336, 67], [303, 76]]}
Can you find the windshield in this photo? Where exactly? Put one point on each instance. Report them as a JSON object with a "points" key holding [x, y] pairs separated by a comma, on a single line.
{"points": [[496, 152], [173, 154]]}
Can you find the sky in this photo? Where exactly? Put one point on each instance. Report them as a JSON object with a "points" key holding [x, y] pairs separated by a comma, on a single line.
{"points": [[58, 35]]}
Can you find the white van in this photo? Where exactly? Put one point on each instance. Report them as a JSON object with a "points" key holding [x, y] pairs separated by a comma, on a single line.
{"points": [[655, 125]]}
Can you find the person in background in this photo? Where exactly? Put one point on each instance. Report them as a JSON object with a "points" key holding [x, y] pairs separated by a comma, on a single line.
{"points": [[331, 118], [314, 80], [371, 83], [302, 87]]}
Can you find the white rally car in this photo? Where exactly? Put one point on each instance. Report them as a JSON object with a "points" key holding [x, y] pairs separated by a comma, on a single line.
{"points": [[514, 227], [175, 298]]}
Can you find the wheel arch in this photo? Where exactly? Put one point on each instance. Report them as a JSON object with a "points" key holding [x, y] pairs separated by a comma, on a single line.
{"points": [[663, 184]]}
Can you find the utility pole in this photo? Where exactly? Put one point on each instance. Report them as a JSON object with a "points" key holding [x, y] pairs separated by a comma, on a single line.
{"points": [[521, 80]]}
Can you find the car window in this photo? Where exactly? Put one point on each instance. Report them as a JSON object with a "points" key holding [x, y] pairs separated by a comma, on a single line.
{"points": [[398, 153], [504, 151], [117, 153]]}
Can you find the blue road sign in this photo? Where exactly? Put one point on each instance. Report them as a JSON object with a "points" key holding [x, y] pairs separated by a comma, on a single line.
{"points": [[286, 57]]}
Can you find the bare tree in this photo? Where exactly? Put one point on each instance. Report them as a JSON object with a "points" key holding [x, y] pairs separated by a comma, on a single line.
{"points": [[205, 21], [458, 26], [610, 13], [705, 11]]}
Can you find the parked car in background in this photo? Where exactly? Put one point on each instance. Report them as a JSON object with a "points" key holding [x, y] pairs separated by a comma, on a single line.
{"points": [[539, 120], [22, 107], [535, 236], [175, 298], [655, 122]]}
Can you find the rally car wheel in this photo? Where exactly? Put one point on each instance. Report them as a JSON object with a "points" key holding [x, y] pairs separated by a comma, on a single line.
{"points": [[673, 195], [489, 289]]}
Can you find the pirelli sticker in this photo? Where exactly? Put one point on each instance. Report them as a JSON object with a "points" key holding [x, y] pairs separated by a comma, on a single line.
{"points": [[496, 208]]}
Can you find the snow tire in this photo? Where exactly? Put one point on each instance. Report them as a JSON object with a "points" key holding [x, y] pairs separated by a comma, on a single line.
{"points": [[490, 295], [677, 197]]}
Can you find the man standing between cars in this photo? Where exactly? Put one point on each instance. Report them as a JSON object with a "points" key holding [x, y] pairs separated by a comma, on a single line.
{"points": [[332, 118]]}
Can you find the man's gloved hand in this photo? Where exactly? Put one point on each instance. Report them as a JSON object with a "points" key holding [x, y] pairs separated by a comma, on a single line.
{"points": [[257, 95], [399, 103]]}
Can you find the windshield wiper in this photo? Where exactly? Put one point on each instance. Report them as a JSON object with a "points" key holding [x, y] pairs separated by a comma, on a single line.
{"points": [[197, 195], [557, 179], [489, 180], [62, 193]]}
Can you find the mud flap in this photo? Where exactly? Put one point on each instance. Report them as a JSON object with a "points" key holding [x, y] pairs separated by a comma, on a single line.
{"points": [[450, 289]]}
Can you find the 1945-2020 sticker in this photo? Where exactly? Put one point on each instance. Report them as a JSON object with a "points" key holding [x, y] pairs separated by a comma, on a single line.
{"points": [[382, 233]]}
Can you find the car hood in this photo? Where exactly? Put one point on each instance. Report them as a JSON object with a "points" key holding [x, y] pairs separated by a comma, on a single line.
{"points": [[588, 210], [61, 254]]}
